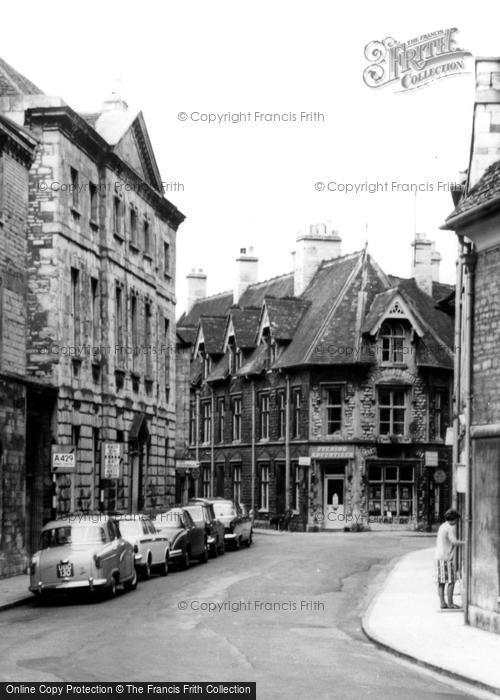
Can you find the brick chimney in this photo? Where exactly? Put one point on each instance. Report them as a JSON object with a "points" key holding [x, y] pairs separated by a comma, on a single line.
{"points": [[197, 286], [245, 272], [320, 242], [485, 148], [425, 263]]}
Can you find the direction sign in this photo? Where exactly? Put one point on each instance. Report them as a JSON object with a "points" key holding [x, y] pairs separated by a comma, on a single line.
{"points": [[63, 458]]}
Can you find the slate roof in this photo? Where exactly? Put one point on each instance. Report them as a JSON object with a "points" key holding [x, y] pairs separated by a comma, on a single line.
{"points": [[213, 329], [220, 369], [14, 83], [284, 316], [215, 305], [256, 362], [485, 191], [245, 325], [187, 334], [281, 286]]}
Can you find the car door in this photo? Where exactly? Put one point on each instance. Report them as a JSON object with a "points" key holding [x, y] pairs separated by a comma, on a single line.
{"points": [[122, 549], [196, 536], [238, 521], [157, 542], [247, 523]]}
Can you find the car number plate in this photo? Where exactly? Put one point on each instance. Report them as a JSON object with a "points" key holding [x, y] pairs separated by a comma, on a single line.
{"points": [[64, 570]]}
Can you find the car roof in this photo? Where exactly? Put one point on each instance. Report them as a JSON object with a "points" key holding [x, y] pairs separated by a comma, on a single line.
{"points": [[76, 520], [133, 516]]}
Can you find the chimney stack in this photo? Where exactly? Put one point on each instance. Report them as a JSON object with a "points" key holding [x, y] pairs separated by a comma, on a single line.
{"points": [[197, 286], [245, 273], [425, 263], [486, 122], [320, 242]]}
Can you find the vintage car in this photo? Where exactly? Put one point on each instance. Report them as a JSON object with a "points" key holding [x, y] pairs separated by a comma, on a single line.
{"points": [[238, 525], [203, 514], [82, 552], [187, 541], [153, 548]]}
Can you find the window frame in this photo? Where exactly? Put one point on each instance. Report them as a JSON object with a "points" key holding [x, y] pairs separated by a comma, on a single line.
{"points": [[236, 421], [393, 344], [296, 412], [391, 407], [326, 390], [264, 486]]}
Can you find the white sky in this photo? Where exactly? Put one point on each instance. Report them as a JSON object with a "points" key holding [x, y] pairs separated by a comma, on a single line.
{"points": [[249, 184]]}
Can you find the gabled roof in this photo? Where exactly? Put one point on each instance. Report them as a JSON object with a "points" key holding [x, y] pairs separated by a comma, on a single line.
{"points": [[281, 286], [14, 83], [391, 304], [330, 329], [220, 371], [283, 315], [187, 334], [256, 362], [211, 334], [244, 324]]}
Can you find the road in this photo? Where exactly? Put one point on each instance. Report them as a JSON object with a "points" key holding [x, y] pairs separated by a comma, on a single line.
{"points": [[288, 618]]}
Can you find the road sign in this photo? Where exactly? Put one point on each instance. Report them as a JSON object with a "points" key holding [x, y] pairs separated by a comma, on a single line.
{"points": [[304, 461], [112, 456], [63, 458], [440, 476], [187, 464], [431, 459]]}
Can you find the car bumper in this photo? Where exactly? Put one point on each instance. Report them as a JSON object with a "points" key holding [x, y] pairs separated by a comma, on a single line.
{"points": [[230, 536], [87, 584], [176, 553]]}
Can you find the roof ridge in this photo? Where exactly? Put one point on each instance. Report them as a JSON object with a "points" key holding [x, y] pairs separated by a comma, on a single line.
{"points": [[270, 279], [213, 296], [16, 79]]}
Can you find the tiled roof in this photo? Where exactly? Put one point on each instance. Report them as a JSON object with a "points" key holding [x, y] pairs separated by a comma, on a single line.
{"points": [[213, 329], [281, 286], [245, 324], [256, 362], [484, 191], [284, 316], [220, 370], [187, 334], [14, 83], [216, 305]]}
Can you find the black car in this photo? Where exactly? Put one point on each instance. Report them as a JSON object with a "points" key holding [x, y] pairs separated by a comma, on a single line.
{"points": [[202, 512], [238, 525], [187, 540]]}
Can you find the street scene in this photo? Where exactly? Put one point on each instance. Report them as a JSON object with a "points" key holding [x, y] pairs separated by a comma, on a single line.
{"points": [[249, 371], [311, 641]]}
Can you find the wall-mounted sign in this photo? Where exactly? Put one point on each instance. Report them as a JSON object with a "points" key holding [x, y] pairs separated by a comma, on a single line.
{"points": [[431, 459], [333, 452], [439, 476], [112, 460], [304, 461], [449, 437], [187, 464], [63, 458]]}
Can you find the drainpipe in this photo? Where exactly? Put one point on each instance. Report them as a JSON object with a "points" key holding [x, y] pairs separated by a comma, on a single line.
{"points": [[469, 259], [197, 443], [287, 444], [457, 363], [252, 500], [212, 438]]}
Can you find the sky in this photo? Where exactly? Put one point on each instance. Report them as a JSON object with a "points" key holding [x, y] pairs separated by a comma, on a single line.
{"points": [[253, 183]]}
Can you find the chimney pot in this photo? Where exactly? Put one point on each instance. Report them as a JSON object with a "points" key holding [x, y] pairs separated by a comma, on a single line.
{"points": [[197, 286], [320, 242], [245, 273]]}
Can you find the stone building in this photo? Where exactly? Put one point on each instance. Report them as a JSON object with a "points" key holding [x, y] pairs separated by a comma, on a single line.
{"points": [[17, 149], [325, 391], [100, 304], [476, 221]]}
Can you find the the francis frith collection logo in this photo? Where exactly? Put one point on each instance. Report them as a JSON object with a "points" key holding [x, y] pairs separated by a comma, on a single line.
{"points": [[414, 63]]}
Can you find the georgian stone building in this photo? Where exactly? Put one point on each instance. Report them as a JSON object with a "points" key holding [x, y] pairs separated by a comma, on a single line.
{"points": [[100, 304], [17, 149], [326, 390], [476, 221]]}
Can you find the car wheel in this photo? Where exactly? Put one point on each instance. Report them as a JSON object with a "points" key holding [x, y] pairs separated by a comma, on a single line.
{"points": [[163, 568], [249, 541], [146, 569], [131, 585], [214, 552], [186, 561]]}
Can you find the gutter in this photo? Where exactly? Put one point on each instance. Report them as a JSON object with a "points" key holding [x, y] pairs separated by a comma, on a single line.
{"points": [[455, 222]]}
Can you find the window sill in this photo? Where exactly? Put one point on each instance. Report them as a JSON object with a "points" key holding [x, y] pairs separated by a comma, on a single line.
{"points": [[133, 247], [394, 365], [93, 225], [118, 236], [77, 214]]}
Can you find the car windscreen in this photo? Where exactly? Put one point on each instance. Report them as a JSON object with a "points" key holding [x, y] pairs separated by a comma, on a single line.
{"points": [[170, 519], [224, 509], [130, 528], [196, 512], [72, 534]]}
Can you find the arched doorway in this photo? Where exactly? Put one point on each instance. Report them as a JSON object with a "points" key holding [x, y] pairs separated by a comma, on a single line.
{"points": [[139, 441]]}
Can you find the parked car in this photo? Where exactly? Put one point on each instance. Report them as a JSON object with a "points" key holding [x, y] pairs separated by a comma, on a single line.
{"points": [[202, 512], [187, 541], [153, 548], [83, 552], [238, 525]]}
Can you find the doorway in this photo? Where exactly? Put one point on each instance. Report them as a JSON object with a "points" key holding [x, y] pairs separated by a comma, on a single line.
{"points": [[333, 506]]}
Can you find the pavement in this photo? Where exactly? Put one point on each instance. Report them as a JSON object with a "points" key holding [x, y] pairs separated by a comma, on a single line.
{"points": [[438, 640], [14, 591]]}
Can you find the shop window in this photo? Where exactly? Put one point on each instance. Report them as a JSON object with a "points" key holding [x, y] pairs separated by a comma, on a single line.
{"points": [[237, 483], [391, 493]]}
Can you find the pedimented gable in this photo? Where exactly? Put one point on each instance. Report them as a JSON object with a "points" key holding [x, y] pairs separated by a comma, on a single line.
{"points": [[134, 147], [128, 150], [396, 308]]}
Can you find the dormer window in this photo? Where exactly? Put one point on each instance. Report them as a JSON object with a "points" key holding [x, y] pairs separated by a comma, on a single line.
{"points": [[392, 337], [207, 365], [235, 356]]}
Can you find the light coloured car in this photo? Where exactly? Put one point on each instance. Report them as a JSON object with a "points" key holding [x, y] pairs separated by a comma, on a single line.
{"points": [[238, 524], [153, 548], [82, 552]]}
